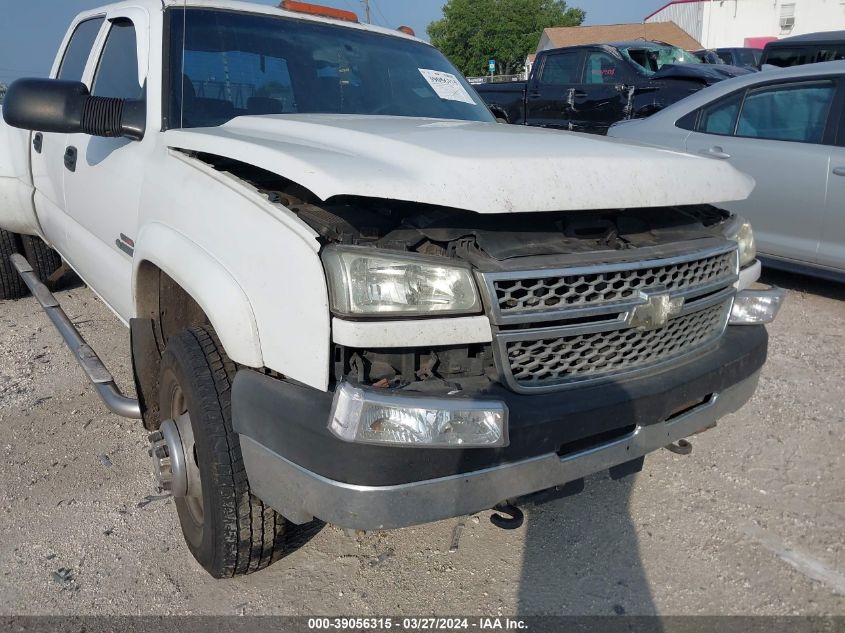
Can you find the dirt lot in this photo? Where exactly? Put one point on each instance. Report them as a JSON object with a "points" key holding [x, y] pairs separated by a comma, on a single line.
{"points": [[751, 522]]}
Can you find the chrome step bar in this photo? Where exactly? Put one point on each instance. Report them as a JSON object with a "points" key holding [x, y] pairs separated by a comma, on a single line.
{"points": [[87, 358]]}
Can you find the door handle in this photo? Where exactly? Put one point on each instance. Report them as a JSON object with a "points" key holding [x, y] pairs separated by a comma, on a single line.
{"points": [[38, 142], [70, 158], [839, 171], [715, 152]]}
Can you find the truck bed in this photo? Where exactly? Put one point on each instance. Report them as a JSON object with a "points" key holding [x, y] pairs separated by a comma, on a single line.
{"points": [[506, 99]]}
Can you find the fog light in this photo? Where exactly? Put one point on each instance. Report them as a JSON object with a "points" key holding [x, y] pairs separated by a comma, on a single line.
{"points": [[757, 307], [370, 417]]}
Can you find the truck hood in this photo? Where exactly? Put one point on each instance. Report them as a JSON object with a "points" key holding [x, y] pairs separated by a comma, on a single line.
{"points": [[706, 73], [482, 167]]}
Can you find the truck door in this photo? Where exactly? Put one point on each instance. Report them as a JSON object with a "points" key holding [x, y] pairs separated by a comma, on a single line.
{"points": [[551, 90], [103, 182], [48, 149], [602, 98]]}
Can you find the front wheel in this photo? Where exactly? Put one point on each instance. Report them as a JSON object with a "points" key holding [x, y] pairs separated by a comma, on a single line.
{"points": [[197, 455]]}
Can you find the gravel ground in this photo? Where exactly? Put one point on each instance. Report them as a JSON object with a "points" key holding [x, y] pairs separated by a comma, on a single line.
{"points": [[750, 523]]}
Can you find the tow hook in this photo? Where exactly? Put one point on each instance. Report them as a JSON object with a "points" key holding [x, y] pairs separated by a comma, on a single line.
{"points": [[512, 522], [682, 447]]}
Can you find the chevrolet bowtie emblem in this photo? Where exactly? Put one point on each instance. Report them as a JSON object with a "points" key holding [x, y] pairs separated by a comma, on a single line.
{"points": [[655, 312]]}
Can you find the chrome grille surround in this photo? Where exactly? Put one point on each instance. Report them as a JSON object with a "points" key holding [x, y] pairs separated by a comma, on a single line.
{"points": [[593, 331]]}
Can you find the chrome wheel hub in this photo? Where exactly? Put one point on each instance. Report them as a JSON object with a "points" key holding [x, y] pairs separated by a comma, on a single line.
{"points": [[174, 458], [168, 457]]}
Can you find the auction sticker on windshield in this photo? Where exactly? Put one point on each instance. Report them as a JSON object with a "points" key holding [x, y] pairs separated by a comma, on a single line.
{"points": [[447, 86]]}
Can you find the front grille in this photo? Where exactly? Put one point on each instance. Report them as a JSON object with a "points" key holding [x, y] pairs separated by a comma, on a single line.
{"points": [[552, 361], [567, 326], [521, 296]]}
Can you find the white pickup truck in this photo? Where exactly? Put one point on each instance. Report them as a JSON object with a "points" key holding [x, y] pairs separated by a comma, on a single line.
{"points": [[353, 296]]}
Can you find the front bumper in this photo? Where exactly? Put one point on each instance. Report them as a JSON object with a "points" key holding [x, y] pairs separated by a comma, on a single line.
{"points": [[299, 468], [300, 494]]}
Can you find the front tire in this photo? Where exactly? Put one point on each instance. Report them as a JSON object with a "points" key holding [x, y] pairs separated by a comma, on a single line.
{"points": [[228, 530]]}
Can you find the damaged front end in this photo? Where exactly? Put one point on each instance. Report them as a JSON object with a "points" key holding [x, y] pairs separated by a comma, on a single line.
{"points": [[478, 358], [569, 297]]}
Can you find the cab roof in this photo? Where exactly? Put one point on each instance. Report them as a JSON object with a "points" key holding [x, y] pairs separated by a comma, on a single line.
{"points": [[245, 7], [821, 37]]}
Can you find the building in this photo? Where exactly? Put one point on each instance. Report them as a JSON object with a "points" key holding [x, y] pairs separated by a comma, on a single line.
{"points": [[661, 31], [727, 23], [529, 63]]}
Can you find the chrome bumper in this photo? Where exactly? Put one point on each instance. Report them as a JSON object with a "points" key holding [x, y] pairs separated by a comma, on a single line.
{"points": [[301, 495]]}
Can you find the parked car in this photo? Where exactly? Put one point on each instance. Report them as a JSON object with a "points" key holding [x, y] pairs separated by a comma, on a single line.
{"points": [[588, 88], [811, 48], [351, 294], [786, 128]]}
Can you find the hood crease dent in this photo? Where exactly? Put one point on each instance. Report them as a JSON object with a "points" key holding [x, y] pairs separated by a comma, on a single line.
{"points": [[481, 167]]}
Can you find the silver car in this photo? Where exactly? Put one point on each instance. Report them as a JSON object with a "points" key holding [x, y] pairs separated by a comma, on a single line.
{"points": [[786, 128]]}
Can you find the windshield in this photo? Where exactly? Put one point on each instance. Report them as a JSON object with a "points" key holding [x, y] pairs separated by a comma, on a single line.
{"points": [[651, 57], [237, 64]]}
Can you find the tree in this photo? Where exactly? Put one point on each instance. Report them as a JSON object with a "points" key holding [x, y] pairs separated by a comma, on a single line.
{"points": [[472, 32]]}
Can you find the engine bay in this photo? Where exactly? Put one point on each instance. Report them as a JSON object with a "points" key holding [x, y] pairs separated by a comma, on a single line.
{"points": [[487, 241]]}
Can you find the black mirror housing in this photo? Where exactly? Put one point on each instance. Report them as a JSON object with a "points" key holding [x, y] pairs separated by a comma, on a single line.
{"points": [[66, 107], [46, 105]]}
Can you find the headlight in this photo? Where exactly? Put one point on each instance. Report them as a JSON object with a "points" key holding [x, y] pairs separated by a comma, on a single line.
{"points": [[372, 417], [368, 282], [739, 230], [757, 307]]}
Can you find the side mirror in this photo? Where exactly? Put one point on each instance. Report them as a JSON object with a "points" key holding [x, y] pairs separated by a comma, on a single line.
{"points": [[66, 107]]}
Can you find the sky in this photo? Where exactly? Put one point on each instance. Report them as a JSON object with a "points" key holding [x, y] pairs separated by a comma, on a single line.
{"points": [[31, 30]]}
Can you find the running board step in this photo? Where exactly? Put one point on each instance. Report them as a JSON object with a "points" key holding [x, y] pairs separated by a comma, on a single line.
{"points": [[87, 358]]}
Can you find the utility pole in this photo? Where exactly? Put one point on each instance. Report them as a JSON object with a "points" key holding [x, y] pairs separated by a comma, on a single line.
{"points": [[367, 10]]}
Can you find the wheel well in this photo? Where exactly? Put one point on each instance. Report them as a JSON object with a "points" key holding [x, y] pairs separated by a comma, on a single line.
{"points": [[499, 113], [171, 307], [163, 308]]}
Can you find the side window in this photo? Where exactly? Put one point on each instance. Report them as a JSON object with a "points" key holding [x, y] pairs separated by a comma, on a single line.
{"points": [[727, 56], [830, 53], [747, 57], [117, 73], [79, 49], [795, 112], [602, 68], [687, 122], [644, 59], [720, 117], [784, 57], [561, 68]]}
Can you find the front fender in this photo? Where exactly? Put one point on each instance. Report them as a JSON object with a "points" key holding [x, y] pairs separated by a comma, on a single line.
{"points": [[208, 282]]}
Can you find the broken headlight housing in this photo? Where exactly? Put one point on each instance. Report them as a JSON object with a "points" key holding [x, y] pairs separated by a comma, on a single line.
{"points": [[739, 230], [370, 282]]}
